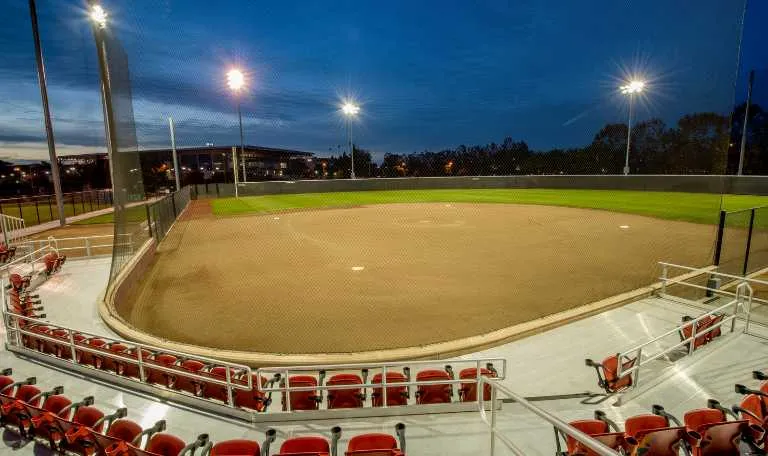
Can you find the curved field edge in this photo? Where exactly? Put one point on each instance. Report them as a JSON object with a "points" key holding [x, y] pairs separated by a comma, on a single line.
{"points": [[689, 207]]}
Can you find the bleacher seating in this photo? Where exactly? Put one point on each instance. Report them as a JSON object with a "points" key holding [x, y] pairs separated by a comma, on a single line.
{"points": [[84, 429]]}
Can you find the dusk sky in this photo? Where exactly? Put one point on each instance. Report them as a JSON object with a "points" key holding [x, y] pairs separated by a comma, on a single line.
{"points": [[427, 74]]}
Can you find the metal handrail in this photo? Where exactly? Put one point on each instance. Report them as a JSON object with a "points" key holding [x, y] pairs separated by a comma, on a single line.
{"points": [[598, 447], [382, 368], [23, 259], [711, 272], [12, 326]]}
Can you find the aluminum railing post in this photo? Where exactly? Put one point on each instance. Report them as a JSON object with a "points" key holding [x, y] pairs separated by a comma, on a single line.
{"points": [[637, 369], [88, 247], [664, 275], [72, 346], [384, 386], [230, 399], [286, 396], [692, 343], [140, 358], [493, 419]]}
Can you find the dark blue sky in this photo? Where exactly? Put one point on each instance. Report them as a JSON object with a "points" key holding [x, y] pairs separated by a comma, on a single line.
{"points": [[428, 74]]}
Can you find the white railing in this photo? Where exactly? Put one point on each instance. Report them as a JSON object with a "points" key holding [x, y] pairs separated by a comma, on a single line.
{"points": [[31, 260], [285, 387], [88, 245], [596, 446], [12, 229], [15, 332]]}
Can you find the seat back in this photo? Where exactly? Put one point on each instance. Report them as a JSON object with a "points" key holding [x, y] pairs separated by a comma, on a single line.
{"points": [[468, 391], [251, 399], [636, 424], [613, 440], [25, 393], [589, 427], [305, 445], [396, 395], [345, 398], [165, 444], [189, 384], [216, 391], [88, 416], [721, 438], [128, 369], [157, 376], [610, 371], [758, 406], [236, 448], [5, 381], [302, 400], [695, 419], [372, 442], [661, 442], [433, 394], [55, 404], [124, 429]]}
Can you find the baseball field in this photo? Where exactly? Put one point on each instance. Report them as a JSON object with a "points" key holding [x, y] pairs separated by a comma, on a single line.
{"points": [[361, 271]]}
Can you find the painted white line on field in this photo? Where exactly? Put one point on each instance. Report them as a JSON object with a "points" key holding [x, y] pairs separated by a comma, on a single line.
{"points": [[624, 227], [358, 268], [275, 218]]}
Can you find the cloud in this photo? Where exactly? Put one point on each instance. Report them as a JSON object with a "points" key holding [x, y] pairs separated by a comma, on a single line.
{"points": [[39, 150]]}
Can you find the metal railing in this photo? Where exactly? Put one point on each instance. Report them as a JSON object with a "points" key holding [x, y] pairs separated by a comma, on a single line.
{"points": [[42, 208], [85, 244], [372, 368], [162, 214], [30, 260], [15, 332], [13, 229], [596, 446]]}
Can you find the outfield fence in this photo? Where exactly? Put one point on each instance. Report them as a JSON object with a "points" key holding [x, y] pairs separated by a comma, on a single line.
{"points": [[35, 210], [163, 213]]}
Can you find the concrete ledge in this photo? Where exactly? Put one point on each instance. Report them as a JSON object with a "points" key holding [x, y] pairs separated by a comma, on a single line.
{"points": [[114, 302]]}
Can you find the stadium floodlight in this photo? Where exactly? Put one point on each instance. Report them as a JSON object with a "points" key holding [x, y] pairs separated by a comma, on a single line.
{"points": [[350, 110], [236, 82], [632, 87], [98, 15]]}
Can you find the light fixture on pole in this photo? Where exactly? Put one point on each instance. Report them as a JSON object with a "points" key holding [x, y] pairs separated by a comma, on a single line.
{"points": [[236, 82], [350, 110], [632, 87]]}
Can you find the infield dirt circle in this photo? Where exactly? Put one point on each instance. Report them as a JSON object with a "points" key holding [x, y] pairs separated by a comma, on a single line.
{"points": [[390, 276]]}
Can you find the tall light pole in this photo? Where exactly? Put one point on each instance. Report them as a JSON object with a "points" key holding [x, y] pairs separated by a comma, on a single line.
{"points": [[174, 155], [743, 148], [55, 177], [350, 110], [630, 89], [236, 82]]}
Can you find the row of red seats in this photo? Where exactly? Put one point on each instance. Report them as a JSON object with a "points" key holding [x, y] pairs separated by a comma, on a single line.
{"points": [[355, 397], [22, 302], [607, 370], [703, 432], [100, 353], [79, 428], [53, 262]]}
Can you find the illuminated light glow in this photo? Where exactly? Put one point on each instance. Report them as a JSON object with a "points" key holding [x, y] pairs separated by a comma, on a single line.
{"points": [[350, 109], [634, 86], [235, 79], [275, 218], [624, 227], [99, 16], [358, 268]]}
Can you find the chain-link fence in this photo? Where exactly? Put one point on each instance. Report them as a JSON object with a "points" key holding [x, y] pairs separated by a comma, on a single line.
{"points": [[163, 213], [40, 209], [742, 241]]}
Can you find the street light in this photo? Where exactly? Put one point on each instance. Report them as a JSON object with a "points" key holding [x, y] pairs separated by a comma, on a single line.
{"points": [[632, 87], [236, 82], [350, 110], [98, 16]]}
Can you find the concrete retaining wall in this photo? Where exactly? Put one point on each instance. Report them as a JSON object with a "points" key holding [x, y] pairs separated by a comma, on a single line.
{"points": [[742, 185]]}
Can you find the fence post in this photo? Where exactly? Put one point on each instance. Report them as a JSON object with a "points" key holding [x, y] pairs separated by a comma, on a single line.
{"points": [[719, 242], [88, 247], [74, 208], [90, 200], [149, 220], [50, 207], [21, 214], [173, 205], [82, 200], [749, 242], [37, 211]]}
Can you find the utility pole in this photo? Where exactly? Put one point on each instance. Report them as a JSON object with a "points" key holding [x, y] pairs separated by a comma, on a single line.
{"points": [[173, 151]]}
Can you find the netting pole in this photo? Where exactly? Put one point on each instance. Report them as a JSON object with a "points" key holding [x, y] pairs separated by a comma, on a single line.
{"points": [[749, 241], [47, 113], [719, 242], [149, 220]]}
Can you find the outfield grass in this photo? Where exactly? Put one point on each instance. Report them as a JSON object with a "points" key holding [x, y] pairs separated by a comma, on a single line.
{"points": [[689, 207], [135, 214], [43, 212]]}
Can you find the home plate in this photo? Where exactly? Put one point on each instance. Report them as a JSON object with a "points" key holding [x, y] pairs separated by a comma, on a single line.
{"points": [[358, 268], [624, 227]]}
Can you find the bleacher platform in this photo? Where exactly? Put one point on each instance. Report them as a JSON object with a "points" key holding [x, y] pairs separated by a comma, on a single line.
{"points": [[341, 403]]}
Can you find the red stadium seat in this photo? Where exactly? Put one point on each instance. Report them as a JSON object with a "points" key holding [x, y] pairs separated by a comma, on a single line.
{"points": [[433, 394], [589, 427], [35, 343], [159, 377], [607, 371], [5, 381], [687, 331], [251, 399], [124, 429], [396, 395], [58, 405], [639, 423], [128, 369], [89, 416], [306, 446], [165, 445], [110, 364], [236, 448], [468, 391], [373, 445], [303, 400], [345, 398], [663, 441], [189, 384], [219, 392], [91, 359]]}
